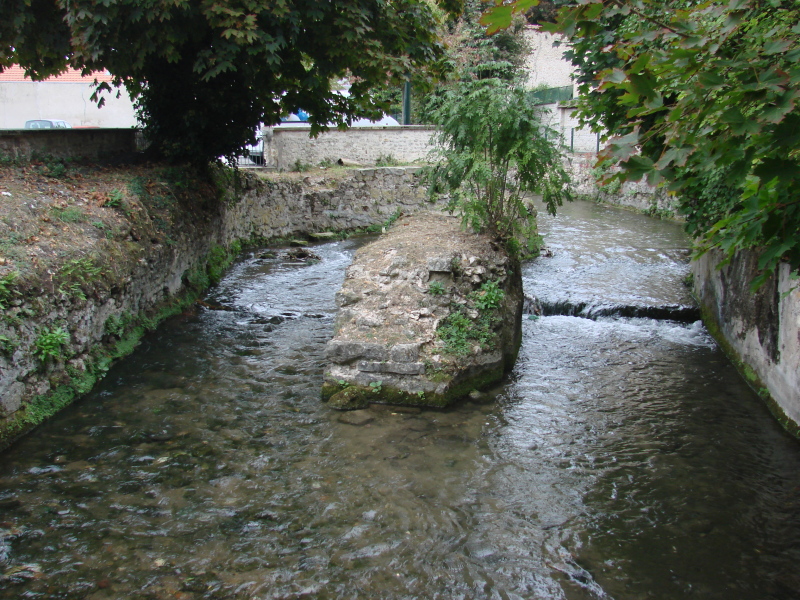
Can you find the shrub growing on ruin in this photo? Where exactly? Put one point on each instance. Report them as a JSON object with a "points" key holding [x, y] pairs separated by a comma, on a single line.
{"points": [[493, 152]]}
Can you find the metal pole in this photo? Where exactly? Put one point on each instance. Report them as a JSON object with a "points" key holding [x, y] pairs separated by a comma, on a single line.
{"points": [[407, 103], [598, 142], [572, 139]]}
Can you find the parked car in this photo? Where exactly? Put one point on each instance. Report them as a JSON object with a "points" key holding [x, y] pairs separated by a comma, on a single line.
{"points": [[47, 124]]}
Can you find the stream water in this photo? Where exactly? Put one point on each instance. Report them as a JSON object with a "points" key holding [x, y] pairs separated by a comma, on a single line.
{"points": [[623, 458]]}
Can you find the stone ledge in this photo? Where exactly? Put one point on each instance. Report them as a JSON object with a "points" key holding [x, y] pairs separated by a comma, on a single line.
{"points": [[391, 367]]}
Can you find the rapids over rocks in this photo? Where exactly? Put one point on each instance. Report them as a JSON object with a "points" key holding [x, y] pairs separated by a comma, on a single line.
{"points": [[623, 458]]}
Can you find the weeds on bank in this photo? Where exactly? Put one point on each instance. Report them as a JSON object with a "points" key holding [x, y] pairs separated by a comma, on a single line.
{"points": [[49, 343], [380, 227], [71, 214], [115, 198], [7, 345], [9, 160], [659, 213], [386, 161], [301, 167], [7, 288], [461, 334], [435, 288], [51, 166], [488, 297], [75, 275]]}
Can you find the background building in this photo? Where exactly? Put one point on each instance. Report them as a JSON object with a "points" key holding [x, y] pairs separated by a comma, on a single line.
{"points": [[66, 97]]}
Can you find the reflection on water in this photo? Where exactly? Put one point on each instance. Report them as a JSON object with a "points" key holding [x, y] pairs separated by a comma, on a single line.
{"points": [[623, 458]]}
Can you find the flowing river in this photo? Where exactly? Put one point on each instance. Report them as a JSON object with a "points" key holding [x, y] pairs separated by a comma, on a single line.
{"points": [[623, 458]]}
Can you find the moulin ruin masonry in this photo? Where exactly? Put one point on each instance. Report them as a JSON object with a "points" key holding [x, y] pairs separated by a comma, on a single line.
{"points": [[424, 277]]}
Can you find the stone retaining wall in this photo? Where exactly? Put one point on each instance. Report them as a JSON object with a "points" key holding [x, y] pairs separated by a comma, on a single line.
{"points": [[280, 207], [285, 147], [761, 331], [635, 194], [146, 277]]}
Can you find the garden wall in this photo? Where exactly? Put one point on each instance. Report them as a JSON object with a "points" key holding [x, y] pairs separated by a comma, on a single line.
{"points": [[92, 144], [286, 147]]}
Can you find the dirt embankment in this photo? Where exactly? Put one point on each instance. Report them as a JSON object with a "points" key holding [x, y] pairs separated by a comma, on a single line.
{"points": [[51, 211]]}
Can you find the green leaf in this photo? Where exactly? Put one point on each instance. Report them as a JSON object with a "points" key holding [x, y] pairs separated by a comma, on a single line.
{"points": [[711, 79], [643, 85], [733, 115], [497, 18], [676, 156], [640, 63], [637, 167], [783, 106], [776, 46], [785, 169], [613, 76]]}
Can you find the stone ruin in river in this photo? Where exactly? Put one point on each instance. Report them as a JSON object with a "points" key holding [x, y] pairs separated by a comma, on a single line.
{"points": [[427, 313]]}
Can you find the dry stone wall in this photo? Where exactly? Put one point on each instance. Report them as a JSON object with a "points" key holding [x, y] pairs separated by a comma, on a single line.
{"points": [[294, 204], [92, 144], [638, 195]]}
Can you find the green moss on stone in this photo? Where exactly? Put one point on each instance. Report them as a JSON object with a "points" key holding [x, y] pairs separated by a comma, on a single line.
{"points": [[45, 406], [350, 398], [329, 389]]}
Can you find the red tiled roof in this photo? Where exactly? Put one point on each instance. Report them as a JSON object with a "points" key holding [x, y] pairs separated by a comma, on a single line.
{"points": [[16, 73]]}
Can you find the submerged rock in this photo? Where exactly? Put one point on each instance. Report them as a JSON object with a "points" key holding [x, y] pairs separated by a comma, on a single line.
{"points": [[301, 254], [427, 314]]}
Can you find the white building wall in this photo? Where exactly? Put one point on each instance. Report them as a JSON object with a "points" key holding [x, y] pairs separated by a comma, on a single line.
{"points": [[545, 64], [546, 67], [21, 101]]}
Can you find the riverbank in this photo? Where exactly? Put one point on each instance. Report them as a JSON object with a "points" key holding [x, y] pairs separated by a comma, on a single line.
{"points": [[92, 257]]}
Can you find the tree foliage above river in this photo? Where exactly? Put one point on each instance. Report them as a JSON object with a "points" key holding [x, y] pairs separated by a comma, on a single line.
{"points": [[702, 98], [205, 74]]}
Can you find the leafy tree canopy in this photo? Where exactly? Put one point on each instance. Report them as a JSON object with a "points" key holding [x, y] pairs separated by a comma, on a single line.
{"points": [[205, 73], [701, 97]]}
